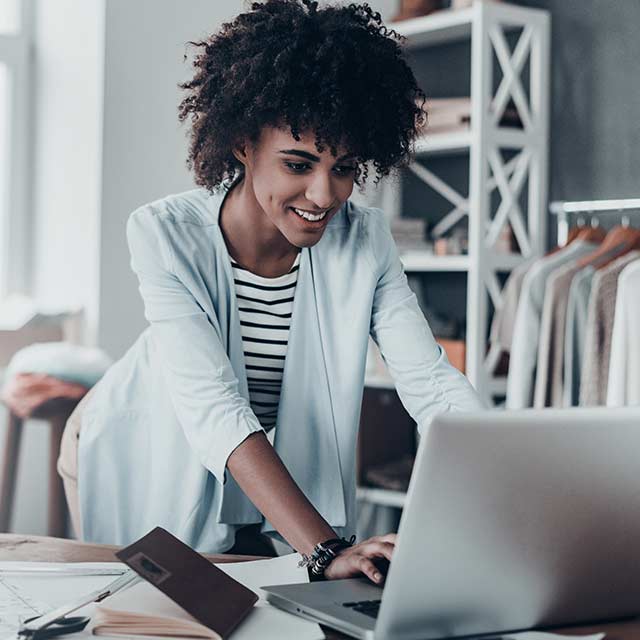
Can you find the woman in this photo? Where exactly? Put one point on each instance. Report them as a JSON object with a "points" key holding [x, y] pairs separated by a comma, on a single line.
{"points": [[235, 413]]}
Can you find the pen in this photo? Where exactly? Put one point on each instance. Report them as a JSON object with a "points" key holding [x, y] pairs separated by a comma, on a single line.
{"points": [[33, 626], [27, 568]]}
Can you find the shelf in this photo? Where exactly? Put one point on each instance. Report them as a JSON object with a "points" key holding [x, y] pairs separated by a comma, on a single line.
{"points": [[497, 152], [458, 142], [451, 143], [437, 28], [384, 497], [448, 26], [423, 261], [496, 386], [416, 261]]}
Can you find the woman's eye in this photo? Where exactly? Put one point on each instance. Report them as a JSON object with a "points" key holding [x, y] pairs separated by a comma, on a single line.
{"points": [[345, 170], [298, 167]]}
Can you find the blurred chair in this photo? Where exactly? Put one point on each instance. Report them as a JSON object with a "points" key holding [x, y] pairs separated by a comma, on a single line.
{"points": [[47, 375]]}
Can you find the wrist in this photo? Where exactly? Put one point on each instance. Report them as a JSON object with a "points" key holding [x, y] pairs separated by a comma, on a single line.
{"points": [[323, 555]]}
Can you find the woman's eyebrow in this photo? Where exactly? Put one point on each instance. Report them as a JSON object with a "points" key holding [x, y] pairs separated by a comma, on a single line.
{"points": [[310, 156]]}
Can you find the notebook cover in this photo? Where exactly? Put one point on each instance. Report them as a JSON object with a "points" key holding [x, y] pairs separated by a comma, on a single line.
{"points": [[190, 580]]}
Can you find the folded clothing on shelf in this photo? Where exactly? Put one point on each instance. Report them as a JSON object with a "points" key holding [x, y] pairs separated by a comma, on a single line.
{"points": [[409, 235], [453, 114], [392, 475]]}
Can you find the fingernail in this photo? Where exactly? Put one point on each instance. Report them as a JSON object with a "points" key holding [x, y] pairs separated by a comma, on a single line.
{"points": [[377, 577]]}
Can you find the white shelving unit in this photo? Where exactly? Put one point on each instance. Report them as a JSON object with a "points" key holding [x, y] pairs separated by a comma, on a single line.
{"points": [[486, 24]]}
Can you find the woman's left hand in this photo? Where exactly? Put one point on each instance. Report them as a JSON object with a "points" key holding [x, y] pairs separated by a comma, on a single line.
{"points": [[360, 559]]}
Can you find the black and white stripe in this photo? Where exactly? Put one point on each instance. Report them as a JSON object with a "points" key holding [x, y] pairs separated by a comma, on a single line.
{"points": [[265, 306]]}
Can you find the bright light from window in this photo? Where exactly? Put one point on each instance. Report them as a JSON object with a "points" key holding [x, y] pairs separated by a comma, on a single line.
{"points": [[4, 158], [9, 16]]}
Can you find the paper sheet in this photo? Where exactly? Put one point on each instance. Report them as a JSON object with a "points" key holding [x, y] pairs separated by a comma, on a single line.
{"points": [[16, 605], [260, 573], [267, 622], [540, 635], [29, 589]]}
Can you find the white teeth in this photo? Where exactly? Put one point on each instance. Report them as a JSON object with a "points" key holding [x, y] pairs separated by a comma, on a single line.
{"points": [[309, 216]]}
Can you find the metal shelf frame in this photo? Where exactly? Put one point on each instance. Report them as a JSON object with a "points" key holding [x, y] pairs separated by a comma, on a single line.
{"points": [[486, 24]]}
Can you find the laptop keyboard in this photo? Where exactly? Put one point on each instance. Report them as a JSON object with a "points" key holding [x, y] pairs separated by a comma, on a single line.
{"points": [[368, 607]]}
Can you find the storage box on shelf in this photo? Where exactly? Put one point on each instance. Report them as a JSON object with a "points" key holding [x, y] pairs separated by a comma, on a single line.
{"points": [[494, 198]]}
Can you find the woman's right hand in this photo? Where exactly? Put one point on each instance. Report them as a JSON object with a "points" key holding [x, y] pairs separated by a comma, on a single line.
{"points": [[359, 559]]}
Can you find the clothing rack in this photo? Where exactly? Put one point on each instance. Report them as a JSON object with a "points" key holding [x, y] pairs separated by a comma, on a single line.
{"points": [[563, 209]]}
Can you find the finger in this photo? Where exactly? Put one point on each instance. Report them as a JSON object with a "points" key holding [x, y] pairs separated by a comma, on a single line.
{"points": [[380, 550], [389, 537], [370, 570]]}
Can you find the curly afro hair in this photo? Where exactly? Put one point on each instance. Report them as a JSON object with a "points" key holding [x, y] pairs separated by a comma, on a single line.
{"points": [[336, 71]]}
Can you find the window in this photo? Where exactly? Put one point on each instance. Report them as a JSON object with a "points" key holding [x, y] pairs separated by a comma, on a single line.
{"points": [[14, 84]]}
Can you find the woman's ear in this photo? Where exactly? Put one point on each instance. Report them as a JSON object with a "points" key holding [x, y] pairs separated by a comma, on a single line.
{"points": [[240, 153]]}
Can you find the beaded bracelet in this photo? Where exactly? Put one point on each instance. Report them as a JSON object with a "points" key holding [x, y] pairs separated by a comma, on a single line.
{"points": [[323, 554]]}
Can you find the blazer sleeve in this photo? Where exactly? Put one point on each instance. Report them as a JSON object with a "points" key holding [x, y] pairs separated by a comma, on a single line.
{"points": [[203, 387], [425, 380]]}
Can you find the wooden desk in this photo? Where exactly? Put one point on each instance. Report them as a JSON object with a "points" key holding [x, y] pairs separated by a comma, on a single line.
{"points": [[43, 549]]}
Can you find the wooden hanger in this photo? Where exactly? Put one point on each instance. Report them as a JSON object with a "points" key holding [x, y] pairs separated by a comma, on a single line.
{"points": [[617, 242], [581, 232], [591, 233], [631, 240], [573, 233]]}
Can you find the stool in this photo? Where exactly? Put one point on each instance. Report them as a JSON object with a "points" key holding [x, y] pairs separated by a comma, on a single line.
{"points": [[45, 381], [56, 412]]}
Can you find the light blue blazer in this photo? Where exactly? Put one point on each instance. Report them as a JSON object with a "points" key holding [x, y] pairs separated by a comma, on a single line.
{"points": [[157, 432]]}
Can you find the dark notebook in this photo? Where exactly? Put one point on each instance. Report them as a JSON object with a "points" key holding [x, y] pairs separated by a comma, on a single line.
{"points": [[214, 599]]}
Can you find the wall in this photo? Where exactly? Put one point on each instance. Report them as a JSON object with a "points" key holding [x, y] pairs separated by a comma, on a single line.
{"points": [[68, 82], [144, 146], [595, 97]]}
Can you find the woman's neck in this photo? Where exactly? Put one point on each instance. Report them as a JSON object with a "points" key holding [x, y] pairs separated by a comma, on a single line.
{"points": [[251, 238]]}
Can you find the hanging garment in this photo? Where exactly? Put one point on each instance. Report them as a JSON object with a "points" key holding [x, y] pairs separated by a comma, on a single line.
{"points": [[624, 365], [526, 332], [548, 386], [505, 316], [575, 329], [594, 378]]}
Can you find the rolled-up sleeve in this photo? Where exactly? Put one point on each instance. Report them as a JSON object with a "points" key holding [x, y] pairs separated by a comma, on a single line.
{"points": [[200, 380], [425, 380]]}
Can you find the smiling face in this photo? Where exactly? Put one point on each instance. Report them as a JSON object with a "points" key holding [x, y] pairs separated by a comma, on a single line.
{"points": [[297, 189]]}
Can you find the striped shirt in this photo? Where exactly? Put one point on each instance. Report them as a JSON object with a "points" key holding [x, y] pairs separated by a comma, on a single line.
{"points": [[265, 306]]}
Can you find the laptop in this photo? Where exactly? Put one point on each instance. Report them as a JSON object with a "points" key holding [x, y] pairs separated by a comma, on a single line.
{"points": [[513, 520]]}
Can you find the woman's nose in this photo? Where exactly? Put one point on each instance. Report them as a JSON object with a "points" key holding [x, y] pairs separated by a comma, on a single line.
{"points": [[320, 191]]}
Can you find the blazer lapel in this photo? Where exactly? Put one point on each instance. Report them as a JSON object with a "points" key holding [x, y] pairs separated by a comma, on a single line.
{"points": [[305, 435], [235, 507]]}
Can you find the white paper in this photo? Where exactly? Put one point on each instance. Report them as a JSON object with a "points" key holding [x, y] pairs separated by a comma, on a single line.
{"points": [[16, 606], [265, 621], [263, 573], [29, 589], [543, 635]]}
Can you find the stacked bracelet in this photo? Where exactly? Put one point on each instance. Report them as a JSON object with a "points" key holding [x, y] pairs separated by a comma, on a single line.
{"points": [[323, 554]]}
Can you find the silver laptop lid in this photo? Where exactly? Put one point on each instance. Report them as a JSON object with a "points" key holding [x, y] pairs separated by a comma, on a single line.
{"points": [[515, 520]]}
